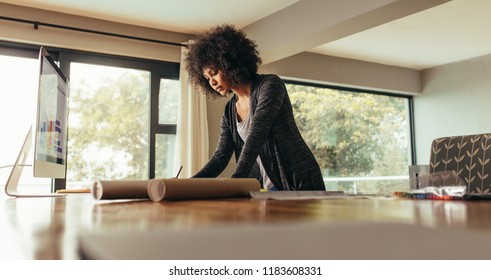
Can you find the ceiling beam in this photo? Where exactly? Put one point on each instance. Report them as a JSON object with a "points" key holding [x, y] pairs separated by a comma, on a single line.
{"points": [[311, 23]]}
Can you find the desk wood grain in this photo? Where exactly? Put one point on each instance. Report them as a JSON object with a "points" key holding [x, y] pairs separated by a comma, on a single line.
{"points": [[47, 228]]}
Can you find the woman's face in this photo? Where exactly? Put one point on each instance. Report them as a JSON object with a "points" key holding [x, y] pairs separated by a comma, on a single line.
{"points": [[217, 80]]}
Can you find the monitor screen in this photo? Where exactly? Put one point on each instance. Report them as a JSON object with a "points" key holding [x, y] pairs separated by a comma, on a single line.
{"points": [[50, 146]]}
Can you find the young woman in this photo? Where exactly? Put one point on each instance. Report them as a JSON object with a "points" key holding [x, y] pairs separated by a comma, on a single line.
{"points": [[257, 124]]}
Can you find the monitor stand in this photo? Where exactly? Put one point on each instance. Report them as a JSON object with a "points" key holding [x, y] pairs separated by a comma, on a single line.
{"points": [[13, 180]]}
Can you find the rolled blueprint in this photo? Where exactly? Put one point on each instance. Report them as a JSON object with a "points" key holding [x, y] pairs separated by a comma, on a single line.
{"points": [[201, 188], [123, 189]]}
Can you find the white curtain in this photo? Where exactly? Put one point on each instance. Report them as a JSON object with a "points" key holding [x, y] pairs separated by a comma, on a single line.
{"points": [[192, 127]]}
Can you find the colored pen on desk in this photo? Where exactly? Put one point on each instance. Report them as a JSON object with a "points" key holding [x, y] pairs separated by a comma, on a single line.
{"points": [[179, 172]]}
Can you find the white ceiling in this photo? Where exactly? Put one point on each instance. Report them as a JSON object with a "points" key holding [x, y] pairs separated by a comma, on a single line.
{"points": [[454, 31], [416, 34]]}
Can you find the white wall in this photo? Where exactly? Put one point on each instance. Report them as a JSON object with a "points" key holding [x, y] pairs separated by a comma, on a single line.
{"points": [[456, 100], [346, 72]]}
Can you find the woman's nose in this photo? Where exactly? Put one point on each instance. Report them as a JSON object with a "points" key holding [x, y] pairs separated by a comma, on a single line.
{"points": [[213, 82]]}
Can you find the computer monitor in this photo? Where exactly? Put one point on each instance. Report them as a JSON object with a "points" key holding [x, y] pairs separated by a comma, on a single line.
{"points": [[51, 120], [50, 134]]}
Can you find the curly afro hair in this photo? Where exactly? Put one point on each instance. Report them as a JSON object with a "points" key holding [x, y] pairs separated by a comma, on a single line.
{"points": [[226, 48]]}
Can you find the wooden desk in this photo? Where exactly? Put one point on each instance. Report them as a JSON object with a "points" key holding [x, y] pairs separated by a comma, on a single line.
{"points": [[47, 228]]}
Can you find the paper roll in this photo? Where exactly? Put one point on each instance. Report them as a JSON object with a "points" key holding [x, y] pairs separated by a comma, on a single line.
{"points": [[201, 188], [124, 189]]}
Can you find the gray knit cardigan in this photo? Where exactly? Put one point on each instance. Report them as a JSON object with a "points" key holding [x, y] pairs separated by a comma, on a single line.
{"points": [[274, 136]]}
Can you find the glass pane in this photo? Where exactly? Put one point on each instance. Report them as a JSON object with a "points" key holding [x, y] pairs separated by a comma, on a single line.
{"points": [[361, 140], [168, 100], [108, 124], [18, 95], [164, 156]]}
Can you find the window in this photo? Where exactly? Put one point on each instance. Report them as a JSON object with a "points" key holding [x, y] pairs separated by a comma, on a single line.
{"points": [[122, 118], [361, 140], [122, 113], [108, 123], [166, 140]]}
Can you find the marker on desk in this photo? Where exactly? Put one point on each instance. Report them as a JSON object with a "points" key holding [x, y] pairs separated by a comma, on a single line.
{"points": [[179, 172]]}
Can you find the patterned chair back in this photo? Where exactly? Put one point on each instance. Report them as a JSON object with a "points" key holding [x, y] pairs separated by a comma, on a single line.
{"points": [[469, 156]]}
